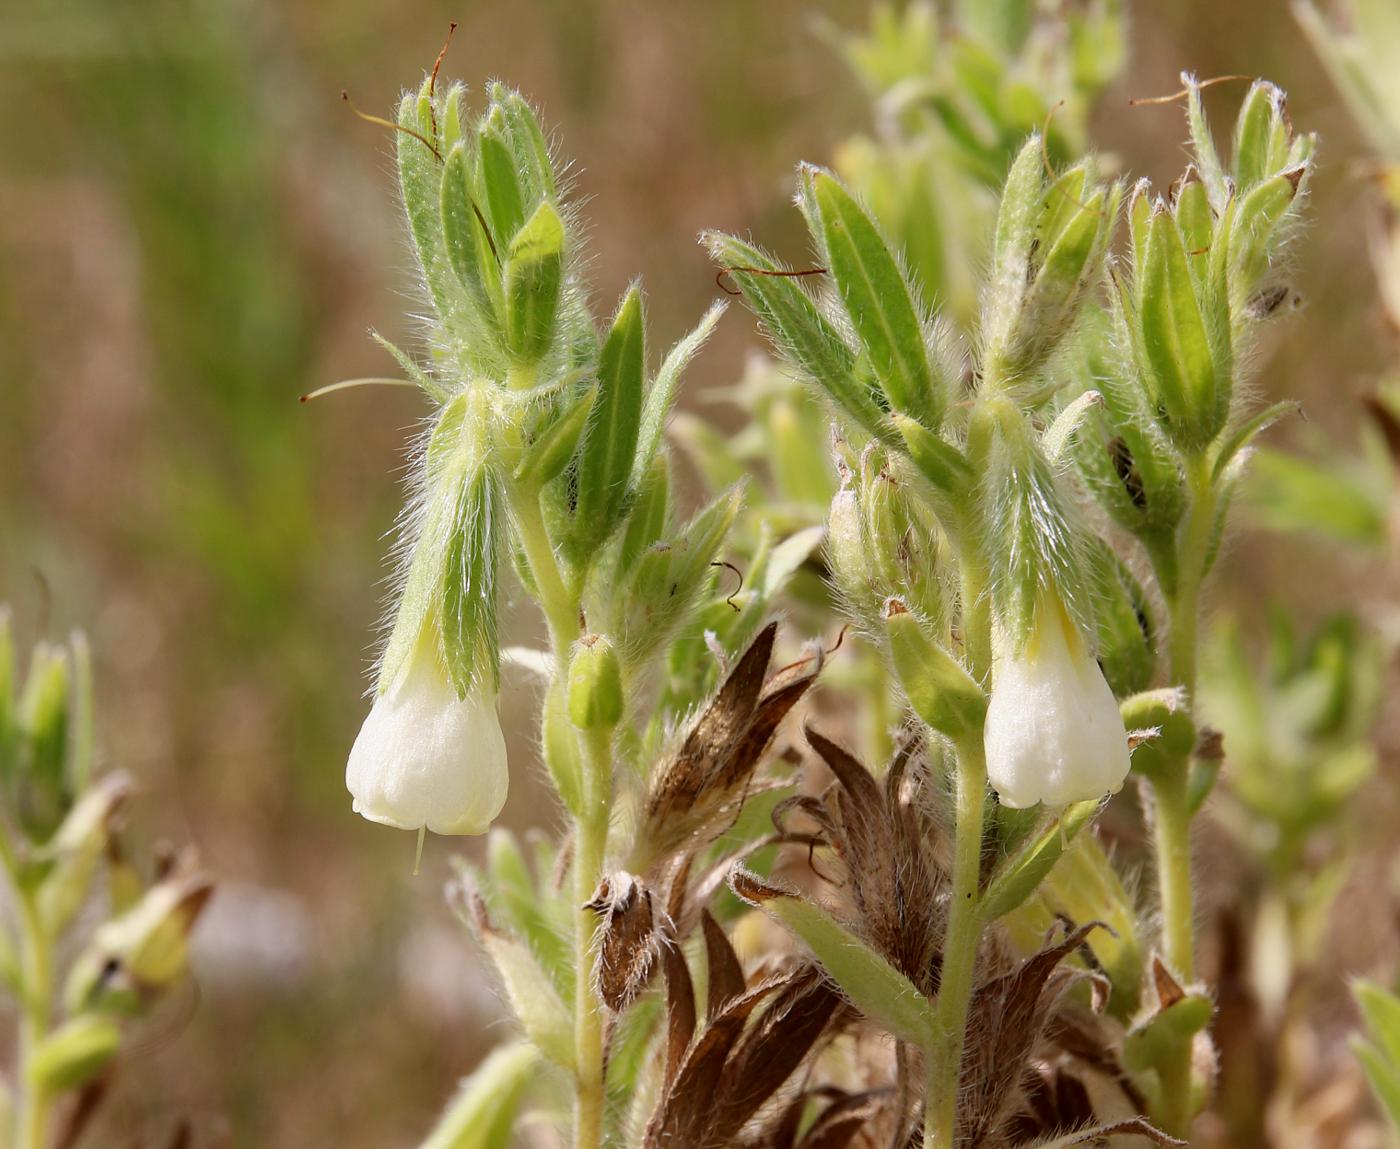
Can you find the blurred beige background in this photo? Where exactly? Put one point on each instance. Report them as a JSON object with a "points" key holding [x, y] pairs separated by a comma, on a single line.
{"points": [[193, 231]]}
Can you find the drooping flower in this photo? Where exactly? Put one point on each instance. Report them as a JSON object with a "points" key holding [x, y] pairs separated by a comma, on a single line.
{"points": [[1053, 732], [426, 757]]}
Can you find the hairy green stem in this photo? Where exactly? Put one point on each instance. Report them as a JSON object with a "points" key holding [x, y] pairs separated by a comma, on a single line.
{"points": [[36, 1017], [590, 847], [962, 942], [1172, 805], [559, 606]]}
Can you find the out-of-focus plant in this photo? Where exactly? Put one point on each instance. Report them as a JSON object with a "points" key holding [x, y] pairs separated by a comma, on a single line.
{"points": [[1378, 1047], [60, 844], [955, 95]]}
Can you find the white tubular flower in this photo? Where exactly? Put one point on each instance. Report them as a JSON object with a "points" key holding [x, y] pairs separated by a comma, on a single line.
{"points": [[425, 757], [1053, 732]]}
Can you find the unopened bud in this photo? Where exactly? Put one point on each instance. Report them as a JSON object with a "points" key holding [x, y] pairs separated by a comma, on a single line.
{"points": [[595, 685]]}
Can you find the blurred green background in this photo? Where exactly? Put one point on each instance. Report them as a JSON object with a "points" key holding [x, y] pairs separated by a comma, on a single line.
{"points": [[194, 230]]}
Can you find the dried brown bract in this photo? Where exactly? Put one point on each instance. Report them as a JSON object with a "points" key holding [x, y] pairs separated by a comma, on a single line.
{"points": [[702, 785]]}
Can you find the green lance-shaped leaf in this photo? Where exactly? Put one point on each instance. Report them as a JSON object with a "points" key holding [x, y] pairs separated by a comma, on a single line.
{"points": [[1381, 1012], [669, 576], [468, 245], [878, 302], [1203, 145], [527, 142], [877, 989], [1242, 436], [470, 644], [1380, 1057], [662, 396], [1176, 345], [534, 275], [649, 517], [1020, 875], [505, 204], [533, 998], [420, 183], [1021, 202], [800, 332], [939, 461], [610, 438], [1254, 238], [1069, 261], [1261, 135], [1083, 886], [482, 1113], [521, 903], [1126, 635], [45, 716], [939, 689], [545, 458], [1196, 219]]}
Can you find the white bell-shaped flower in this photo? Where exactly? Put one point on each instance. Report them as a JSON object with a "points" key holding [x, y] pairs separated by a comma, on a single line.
{"points": [[426, 758], [1053, 731]]}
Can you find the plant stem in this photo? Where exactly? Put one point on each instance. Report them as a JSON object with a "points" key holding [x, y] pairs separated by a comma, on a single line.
{"points": [[36, 965], [590, 846], [960, 948], [560, 607], [1171, 807]]}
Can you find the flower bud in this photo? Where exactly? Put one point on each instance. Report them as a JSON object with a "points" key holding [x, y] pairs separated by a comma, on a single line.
{"points": [[426, 757], [595, 685], [1053, 732]]}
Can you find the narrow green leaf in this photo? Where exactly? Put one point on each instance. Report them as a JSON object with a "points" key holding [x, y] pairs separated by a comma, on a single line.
{"points": [[1381, 1011], [470, 644], [527, 142], [1021, 202], [1384, 1078], [1261, 136], [1020, 875], [1174, 335], [1251, 429], [662, 395], [798, 329], [534, 275], [938, 460], [533, 998], [649, 517], [610, 438], [545, 458], [467, 244], [877, 301], [877, 989], [482, 1114], [420, 183], [522, 905], [504, 205]]}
